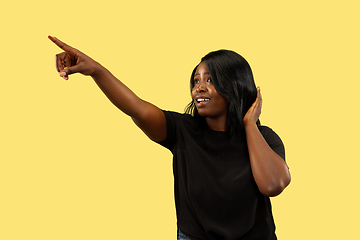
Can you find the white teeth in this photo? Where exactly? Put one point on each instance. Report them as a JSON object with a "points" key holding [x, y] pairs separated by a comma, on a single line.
{"points": [[202, 99]]}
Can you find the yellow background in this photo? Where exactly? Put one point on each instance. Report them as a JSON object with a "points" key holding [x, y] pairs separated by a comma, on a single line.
{"points": [[74, 167]]}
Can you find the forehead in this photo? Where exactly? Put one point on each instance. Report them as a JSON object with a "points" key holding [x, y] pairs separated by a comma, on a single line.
{"points": [[202, 69]]}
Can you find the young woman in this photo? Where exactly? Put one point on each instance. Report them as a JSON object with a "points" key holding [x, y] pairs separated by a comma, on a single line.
{"points": [[226, 165]]}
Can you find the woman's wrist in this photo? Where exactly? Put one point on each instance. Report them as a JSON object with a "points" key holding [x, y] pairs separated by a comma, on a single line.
{"points": [[98, 71], [250, 125]]}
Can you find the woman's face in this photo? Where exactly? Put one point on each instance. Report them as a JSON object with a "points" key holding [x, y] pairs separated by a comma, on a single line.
{"points": [[209, 103]]}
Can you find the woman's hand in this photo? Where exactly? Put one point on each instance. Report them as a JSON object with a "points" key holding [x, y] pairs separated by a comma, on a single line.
{"points": [[148, 117], [270, 171], [254, 111], [73, 61]]}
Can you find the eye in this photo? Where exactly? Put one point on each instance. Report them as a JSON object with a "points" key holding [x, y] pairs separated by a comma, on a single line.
{"points": [[196, 81], [209, 80]]}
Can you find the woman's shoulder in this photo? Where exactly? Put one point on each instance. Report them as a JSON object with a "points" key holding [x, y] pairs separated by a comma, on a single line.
{"points": [[176, 118], [266, 130], [269, 134], [273, 139], [176, 115]]}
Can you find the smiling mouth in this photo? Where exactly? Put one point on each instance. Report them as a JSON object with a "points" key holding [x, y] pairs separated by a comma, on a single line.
{"points": [[200, 100]]}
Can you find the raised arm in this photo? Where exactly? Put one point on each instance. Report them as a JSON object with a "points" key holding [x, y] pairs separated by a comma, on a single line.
{"points": [[146, 116], [270, 171]]}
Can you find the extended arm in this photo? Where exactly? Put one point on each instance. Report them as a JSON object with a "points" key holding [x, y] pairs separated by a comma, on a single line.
{"points": [[147, 116], [270, 171]]}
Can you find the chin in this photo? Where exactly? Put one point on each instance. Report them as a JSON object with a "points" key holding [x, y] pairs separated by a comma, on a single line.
{"points": [[203, 113]]}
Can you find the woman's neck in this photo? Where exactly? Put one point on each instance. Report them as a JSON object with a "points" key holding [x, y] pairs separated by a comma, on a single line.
{"points": [[217, 124]]}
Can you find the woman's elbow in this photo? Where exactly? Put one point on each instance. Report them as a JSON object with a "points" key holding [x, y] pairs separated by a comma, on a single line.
{"points": [[274, 189]]}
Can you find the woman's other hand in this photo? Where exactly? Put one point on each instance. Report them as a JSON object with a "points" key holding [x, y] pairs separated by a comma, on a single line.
{"points": [[73, 61], [254, 111]]}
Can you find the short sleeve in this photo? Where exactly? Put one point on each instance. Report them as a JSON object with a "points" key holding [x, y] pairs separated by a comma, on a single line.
{"points": [[172, 119], [273, 140]]}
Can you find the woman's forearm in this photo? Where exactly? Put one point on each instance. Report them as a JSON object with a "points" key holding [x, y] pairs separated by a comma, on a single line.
{"points": [[117, 92], [145, 115], [270, 171]]}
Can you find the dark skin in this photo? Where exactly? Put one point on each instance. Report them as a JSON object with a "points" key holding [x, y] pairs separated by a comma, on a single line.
{"points": [[270, 171], [209, 103]]}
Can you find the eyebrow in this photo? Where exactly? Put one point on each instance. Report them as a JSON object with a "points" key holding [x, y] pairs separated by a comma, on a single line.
{"points": [[198, 74]]}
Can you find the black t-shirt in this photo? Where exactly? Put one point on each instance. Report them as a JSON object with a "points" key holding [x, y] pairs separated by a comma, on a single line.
{"points": [[216, 195]]}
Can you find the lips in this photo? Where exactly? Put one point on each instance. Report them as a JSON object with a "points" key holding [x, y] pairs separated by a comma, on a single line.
{"points": [[200, 101]]}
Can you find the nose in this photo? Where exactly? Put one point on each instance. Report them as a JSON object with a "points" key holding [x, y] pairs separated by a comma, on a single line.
{"points": [[201, 87]]}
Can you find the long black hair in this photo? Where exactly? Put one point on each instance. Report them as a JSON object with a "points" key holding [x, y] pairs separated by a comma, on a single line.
{"points": [[232, 77]]}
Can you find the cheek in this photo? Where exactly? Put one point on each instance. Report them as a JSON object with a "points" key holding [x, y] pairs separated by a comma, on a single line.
{"points": [[193, 93], [226, 104], [223, 102]]}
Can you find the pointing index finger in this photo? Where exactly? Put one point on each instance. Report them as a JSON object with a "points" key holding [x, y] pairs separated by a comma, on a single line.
{"points": [[60, 44]]}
